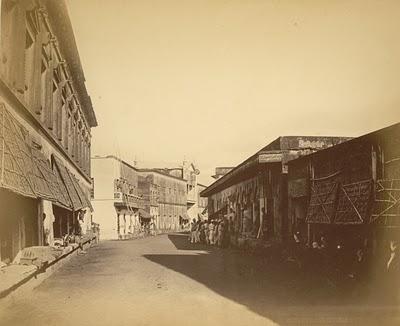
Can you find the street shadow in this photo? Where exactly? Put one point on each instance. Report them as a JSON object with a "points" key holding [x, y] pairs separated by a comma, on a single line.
{"points": [[181, 242], [267, 289]]}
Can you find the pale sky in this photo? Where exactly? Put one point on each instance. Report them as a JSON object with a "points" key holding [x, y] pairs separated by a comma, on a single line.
{"points": [[214, 81]]}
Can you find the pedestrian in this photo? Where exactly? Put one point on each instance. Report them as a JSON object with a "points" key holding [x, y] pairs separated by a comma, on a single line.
{"points": [[216, 234], [297, 249], [197, 231], [211, 227], [193, 231], [358, 273], [206, 233], [220, 233], [392, 274]]}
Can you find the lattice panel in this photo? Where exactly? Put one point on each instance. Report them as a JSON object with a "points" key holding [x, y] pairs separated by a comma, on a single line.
{"points": [[12, 173], [322, 202], [386, 209], [56, 185], [353, 203], [27, 163]]}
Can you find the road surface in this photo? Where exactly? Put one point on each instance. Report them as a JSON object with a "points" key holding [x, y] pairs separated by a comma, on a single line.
{"points": [[164, 280]]}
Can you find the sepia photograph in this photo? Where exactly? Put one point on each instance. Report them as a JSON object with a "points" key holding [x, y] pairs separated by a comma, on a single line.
{"points": [[199, 162]]}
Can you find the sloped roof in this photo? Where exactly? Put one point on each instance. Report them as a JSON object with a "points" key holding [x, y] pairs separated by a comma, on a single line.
{"points": [[279, 145]]}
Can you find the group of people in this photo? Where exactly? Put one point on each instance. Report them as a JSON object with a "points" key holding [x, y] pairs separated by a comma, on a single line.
{"points": [[214, 232], [350, 263]]}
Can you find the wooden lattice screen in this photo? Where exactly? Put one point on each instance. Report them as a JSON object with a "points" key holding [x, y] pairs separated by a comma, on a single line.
{"points": [[386, 209], [353, 202], [18, 171], [322, 202], [56, 185]]}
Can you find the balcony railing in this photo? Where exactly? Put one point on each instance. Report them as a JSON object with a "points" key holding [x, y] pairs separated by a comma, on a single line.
{"points": [[128, 200]]}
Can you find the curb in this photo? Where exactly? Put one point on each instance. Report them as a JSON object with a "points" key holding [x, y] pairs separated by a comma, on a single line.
{"points": [[37, 277]]}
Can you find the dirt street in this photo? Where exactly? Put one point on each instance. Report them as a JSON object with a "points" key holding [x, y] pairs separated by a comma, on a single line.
{"points": [[165, 280]]}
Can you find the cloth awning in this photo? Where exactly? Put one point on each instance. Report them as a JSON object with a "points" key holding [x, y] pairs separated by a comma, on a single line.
{"points": [[66, 178], [144, 215], [18, 171]]}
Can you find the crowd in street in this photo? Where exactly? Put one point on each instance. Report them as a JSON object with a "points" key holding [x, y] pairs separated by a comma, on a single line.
{"points": [[214, 232]]}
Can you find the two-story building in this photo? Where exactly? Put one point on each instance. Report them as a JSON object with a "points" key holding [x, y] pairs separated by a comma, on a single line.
{"points": [[46, 117], [172, 198], [189, 172], [116, 198], [149, 192]]}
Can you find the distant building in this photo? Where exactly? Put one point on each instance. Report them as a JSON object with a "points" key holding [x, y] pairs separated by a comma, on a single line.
{"points": [[126, 197], [189, 173], [46, 117], [254, 194], [149, 192], [202, 203], [170, 192], [116, 199]]}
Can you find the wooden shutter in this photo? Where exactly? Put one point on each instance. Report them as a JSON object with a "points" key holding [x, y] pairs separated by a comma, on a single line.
{"points": [[66, 126], [48, 105], [35, 93], [59, 108], [13, 43]]}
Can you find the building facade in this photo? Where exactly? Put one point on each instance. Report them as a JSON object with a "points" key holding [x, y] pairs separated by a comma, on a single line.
{"points": [[149, 193], [116, 199], [253, 195], [45, 129], [188, 172], [172, 198], [349, 193], [202, 203]]}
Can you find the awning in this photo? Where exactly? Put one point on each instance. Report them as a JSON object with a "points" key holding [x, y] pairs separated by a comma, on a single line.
{"points": [[65, 176], [57, 187], [144, 215], [82, 196], [18, 171]]}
